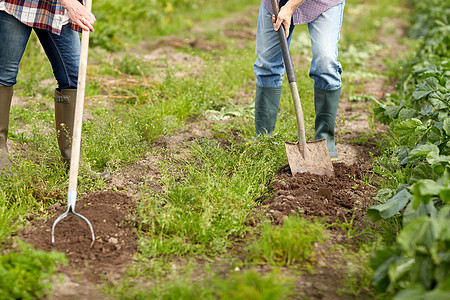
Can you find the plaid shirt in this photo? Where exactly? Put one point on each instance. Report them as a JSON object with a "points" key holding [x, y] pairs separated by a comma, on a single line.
{"points": [[41, 14], [308, 11]]}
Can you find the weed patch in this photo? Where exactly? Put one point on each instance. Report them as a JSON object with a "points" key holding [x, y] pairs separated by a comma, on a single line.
{"points": [[289, 244], [26, 273]]}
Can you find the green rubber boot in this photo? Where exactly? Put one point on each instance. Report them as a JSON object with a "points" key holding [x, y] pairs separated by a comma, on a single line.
{"points": [[64, 118], [267, 100], [326, 105], [6, 93]]}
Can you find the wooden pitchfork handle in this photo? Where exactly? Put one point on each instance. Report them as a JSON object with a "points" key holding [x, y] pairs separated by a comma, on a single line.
{"points": [[76, 139], [78, 120]]}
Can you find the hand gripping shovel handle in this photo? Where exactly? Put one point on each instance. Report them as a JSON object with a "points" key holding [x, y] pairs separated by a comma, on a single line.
{"points": [[292, 80]]}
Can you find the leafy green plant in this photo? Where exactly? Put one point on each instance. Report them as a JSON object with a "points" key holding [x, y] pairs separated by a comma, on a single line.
{"points": [[420, 261], [417, 265]]}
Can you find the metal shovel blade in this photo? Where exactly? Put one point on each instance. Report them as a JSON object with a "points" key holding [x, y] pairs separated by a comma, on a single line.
{"points": [[314, 159]]}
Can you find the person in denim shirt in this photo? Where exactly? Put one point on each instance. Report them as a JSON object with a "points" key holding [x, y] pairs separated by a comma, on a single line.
{"points": [[324, 20], [56, 24]]}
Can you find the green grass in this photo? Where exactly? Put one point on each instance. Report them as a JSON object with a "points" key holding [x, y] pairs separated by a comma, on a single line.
{"points": [[26, 273], [183, 284], [155, 18], [209, 199], [287, 245]]}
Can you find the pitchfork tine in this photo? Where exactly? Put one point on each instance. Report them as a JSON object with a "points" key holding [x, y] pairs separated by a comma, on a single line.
{"points": [[71, 211]]}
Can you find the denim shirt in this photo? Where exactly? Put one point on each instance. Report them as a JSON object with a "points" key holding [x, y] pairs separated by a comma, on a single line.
{"points": [[306, 12]]}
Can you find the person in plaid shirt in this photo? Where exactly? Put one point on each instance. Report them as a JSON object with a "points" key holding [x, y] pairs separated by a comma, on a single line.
{"points": [[324, 20], [56, 24]]}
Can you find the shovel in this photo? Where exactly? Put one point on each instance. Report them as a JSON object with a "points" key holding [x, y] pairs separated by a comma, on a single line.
{"points": [[312, 157], [76, 140]]}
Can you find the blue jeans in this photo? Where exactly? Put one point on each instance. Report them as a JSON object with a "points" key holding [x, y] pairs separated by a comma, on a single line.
{"points": [[324, 32], [63, 51]]}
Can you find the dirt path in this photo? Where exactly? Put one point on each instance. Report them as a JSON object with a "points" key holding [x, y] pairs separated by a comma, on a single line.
{"points": [[346, 196]]}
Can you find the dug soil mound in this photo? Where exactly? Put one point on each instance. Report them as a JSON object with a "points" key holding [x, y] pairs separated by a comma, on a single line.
{"points": [[344, 197], [111, 215]]}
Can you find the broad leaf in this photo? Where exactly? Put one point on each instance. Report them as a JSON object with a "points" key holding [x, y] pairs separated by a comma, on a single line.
{"points": [[408, 131], [410, 214], [437, 293], [397, 271], [447, 126], [422, 151], [422, 171], [392, 111], [442, 276], [434, 135], [380, 262], [436, 99], [426, 110], [407, 113], [429, 85], [402, 155], [415, 235], [444, 195], [391, 207], [383, 195], [443, 115], [412, 292], [435, 158], [423, 190], [423, 270]]}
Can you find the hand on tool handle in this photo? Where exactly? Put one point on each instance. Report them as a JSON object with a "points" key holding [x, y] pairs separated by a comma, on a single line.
{"points": [[285, 15], [79, 14]]}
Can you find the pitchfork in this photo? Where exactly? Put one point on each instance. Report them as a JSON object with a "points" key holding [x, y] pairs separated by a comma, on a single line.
{"points": [[76, 140]]}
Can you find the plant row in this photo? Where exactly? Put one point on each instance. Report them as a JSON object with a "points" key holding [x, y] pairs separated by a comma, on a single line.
{"points": [[418, 264]]}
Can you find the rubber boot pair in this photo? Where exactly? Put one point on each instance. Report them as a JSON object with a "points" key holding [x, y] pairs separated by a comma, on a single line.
{"points": [[64, 119], [326, 102], [64, 110]]}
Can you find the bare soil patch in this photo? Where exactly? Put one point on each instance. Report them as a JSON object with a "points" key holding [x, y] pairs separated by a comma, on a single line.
{"points": [[111, 215], [342, 197]]}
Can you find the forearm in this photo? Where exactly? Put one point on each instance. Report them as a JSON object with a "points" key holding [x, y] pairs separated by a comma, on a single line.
{"points": [[291, 5], [67, 4]]}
